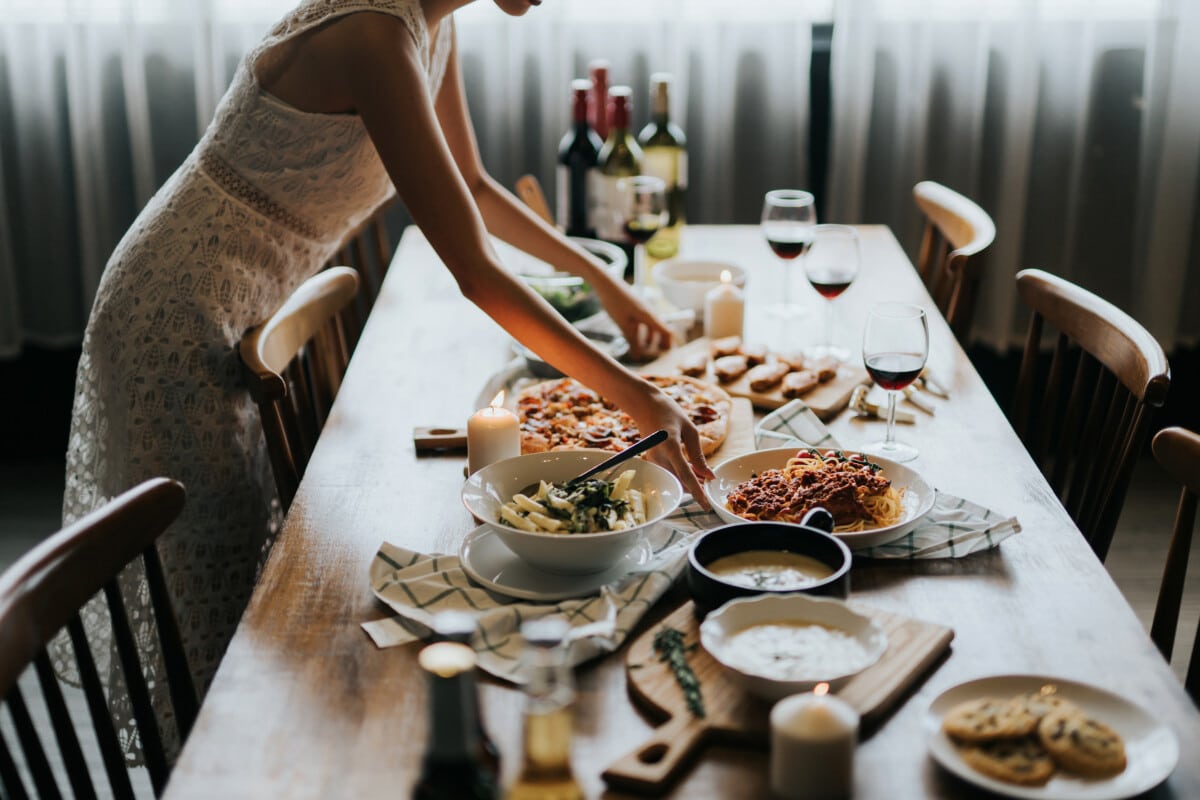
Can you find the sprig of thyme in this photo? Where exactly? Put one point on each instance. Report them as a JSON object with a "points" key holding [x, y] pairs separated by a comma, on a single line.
{"points": [[668, 643]]}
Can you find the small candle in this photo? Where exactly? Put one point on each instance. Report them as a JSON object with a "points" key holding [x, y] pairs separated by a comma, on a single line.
{"points": [[813, 738], [724, 309], [492, 434]]}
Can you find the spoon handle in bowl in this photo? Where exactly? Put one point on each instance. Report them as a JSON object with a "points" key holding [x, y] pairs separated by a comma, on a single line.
{"points": [[640, 446]]}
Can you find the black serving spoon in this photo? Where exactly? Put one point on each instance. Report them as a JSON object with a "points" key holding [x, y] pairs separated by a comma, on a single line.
{"points": [[637, 448]]}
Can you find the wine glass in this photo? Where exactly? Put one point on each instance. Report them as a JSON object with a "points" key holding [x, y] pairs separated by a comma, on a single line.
{"points": [[788, 219], [831, 265], [895, 346], [641, 212]]}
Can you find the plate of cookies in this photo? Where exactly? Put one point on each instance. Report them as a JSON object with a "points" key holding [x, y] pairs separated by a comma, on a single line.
{"points": [[1031, 736]]}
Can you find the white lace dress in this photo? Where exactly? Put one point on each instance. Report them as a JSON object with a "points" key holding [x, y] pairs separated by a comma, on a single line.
{"points": [[259, 205]]}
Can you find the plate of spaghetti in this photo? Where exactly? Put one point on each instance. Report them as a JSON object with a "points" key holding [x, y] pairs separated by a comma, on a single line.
{"points": [[872, 500]]}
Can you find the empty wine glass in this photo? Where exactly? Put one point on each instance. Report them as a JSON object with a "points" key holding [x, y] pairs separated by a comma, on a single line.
{"points": [[788, 219], [895, 346], [642, 212], [831, 265]]}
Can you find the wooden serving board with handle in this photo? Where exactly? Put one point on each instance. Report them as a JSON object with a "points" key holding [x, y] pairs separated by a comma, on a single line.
{"points": [[734, 717], [826, 399]]}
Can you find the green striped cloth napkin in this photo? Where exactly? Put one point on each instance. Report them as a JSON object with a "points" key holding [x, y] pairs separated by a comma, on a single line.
{"points": [[953, 528], [417, 586]]}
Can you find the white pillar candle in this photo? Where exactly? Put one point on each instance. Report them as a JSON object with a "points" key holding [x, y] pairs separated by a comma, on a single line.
{"points": [[813, 737], [493, 433], [724, 309]]}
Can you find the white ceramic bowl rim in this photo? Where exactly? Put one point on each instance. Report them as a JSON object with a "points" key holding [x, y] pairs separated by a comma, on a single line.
{"points": [[723, 622], [477, 480]]}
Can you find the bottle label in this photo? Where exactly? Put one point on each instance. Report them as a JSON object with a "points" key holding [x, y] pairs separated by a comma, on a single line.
{"points": [[660, 162], [682, 165], [611, 209]]}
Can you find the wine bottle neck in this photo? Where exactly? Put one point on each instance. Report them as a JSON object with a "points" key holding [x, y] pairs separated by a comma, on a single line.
{"points": [[453, 720]]}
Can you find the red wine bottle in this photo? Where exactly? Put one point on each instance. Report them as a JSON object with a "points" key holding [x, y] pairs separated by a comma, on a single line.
{"points": [[578, 154], [598, 108]]}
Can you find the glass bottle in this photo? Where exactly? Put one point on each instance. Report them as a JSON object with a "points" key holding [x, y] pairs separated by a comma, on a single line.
{"points": [[620, 157], [549, 694], [664, 150], [598, 107], [578, 154], [453, 766], [459, 627]]}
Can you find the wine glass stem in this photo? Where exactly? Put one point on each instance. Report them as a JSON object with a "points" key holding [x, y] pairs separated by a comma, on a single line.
{"points": [[890, 440], [828, 325], [786, 292], [639, 267]]}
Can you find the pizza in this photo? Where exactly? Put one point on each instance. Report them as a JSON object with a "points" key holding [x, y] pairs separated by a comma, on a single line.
{"points": [[566, 415]]}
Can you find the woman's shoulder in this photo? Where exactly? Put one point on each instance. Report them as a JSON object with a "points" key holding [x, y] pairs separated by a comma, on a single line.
{"points": [[312, 13]]}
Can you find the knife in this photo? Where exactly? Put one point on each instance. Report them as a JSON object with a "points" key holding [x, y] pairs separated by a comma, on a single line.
{"points": [[931, 385], [910, 394]]}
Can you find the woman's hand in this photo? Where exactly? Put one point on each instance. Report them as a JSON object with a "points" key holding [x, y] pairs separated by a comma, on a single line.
{"points": [[681, 453], [648, 337]]}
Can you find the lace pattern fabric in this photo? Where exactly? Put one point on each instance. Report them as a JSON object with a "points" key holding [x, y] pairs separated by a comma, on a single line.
{"points": [[259, 206]]}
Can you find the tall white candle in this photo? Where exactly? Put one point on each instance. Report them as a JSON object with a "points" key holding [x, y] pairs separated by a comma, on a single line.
{"points": [[813, 737], [724, 309], [493, 433]]}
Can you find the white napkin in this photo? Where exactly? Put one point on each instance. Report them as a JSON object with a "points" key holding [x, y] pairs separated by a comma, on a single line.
{"points": [[953, 528]]}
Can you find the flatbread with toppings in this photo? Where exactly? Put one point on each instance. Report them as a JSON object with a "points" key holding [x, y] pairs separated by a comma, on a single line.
{"points": [[566, 415]]}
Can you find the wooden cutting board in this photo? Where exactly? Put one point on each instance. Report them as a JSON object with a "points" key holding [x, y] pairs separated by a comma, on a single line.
{"points": [[826, 399], [734, 717]]}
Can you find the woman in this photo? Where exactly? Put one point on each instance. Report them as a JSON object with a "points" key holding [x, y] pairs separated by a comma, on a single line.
{"points": [[342, 101]]}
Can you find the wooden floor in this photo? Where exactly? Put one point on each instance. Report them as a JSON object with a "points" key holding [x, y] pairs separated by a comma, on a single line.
{"points": [[31, 498]]}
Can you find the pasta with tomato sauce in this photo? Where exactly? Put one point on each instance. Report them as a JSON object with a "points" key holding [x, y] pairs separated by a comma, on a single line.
{"points": [[850, 487]]}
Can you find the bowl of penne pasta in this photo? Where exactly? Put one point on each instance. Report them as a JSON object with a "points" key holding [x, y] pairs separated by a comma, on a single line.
{"points": [[570, 527]]}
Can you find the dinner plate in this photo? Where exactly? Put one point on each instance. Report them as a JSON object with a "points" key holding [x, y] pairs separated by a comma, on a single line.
{"points": [[1151, 749], [917, 499], [490, 563]]}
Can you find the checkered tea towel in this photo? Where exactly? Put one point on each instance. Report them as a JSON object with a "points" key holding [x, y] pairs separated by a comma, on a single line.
{"points": [[953, 528], [418, 586]]}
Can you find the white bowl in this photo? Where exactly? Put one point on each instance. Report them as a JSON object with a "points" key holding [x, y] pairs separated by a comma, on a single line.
{"points": [[567, 553], [685, 282], [917, 499], [738, 615]]}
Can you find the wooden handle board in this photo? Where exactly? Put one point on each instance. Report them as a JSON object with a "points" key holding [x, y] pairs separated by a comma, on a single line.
{"points": [[530, 191], [826, 400], [732, 716]]}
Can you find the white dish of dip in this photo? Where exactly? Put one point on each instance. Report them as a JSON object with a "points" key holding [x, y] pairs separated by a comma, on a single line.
{"points": [[777, 645]]}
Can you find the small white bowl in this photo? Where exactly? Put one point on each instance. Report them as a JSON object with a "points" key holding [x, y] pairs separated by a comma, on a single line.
{"points": [[685, 282], [918, 495], [738, 615], [567, 553]]}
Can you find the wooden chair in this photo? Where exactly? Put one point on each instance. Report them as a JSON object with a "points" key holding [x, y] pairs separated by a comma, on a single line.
{"points": [[41, 594], [1178, 451], [950, 262], [1086, 421], [293, 366], [368, 250]]}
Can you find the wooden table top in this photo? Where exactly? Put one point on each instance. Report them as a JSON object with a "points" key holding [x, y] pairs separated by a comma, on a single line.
{"points": [[305, 705]]}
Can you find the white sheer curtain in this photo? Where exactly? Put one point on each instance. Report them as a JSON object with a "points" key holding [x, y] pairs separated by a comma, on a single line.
{"points": [[1075, 123], [100, 100]]}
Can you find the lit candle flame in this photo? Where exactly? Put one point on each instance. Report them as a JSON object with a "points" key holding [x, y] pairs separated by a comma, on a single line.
{"points": [[821, 689], [498, 400], [726, 276]]}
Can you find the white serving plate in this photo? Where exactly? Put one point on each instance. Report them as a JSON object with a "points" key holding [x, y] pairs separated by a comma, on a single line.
{"points": [[488, 562], [918, 495], [1151, 749], [738, 615]]}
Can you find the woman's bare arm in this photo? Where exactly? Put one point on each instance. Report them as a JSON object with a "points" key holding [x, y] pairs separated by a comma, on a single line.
{"points": [[384, 80]]}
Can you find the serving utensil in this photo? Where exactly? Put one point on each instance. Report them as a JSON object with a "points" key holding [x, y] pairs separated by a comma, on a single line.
{"points": [[637, 448]]}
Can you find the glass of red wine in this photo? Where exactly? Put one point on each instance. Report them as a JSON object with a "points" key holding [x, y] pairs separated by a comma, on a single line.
{"points": [[831, 266], [788, 219], [643, 213], [895, 346]]}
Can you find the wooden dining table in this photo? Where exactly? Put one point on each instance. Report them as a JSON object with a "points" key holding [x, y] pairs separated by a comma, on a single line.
{"points": [[305, 705]]}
